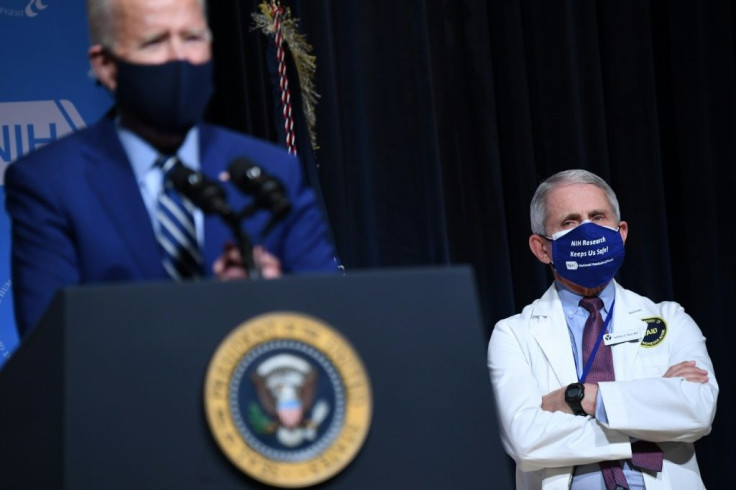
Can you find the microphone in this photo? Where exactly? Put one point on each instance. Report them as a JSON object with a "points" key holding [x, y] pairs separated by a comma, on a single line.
{"points": [[210, 197], [205, 193], [268, 192]]}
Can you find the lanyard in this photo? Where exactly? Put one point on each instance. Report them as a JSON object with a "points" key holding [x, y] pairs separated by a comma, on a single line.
{"points": [[597, 344]]}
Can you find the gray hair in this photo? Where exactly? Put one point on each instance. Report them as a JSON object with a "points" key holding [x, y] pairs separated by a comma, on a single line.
{"points": [[101, 22], [538, 207]]}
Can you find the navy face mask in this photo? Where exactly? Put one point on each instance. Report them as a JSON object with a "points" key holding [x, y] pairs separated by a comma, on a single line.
{"points": [[170, 96], [588, 255]]}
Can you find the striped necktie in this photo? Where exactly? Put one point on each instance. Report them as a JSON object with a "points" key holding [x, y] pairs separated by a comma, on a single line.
{"points": [[177, 236]]}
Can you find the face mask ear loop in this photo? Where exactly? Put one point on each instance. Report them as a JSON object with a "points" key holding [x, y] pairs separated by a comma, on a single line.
{"points": [[551, 240]]}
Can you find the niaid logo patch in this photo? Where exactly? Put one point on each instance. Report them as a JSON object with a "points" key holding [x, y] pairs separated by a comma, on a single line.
{"points": [[656, 332]]}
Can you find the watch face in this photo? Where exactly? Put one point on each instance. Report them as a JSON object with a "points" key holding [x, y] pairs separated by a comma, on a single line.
{"points": [[574, 396], [574, 392]]}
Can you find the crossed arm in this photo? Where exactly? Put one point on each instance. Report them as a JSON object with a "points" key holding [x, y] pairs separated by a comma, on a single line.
{"points": [[555, 400]]}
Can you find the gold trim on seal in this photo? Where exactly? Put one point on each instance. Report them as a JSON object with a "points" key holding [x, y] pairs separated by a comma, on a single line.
{"points": [[358, 398]]}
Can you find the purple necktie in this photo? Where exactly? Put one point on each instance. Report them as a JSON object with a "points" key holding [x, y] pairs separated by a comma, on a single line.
{"points": [[602, 367], [646, 455], [600, 370]]}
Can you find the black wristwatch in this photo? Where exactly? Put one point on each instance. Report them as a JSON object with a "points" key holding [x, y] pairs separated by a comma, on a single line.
{"points": [[574, 394]]}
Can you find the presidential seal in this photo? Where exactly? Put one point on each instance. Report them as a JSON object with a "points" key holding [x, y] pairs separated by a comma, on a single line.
{"points": [[287, 400]]}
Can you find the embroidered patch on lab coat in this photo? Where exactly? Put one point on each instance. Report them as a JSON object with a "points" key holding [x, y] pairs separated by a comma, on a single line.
{"points": [[656, 332]]}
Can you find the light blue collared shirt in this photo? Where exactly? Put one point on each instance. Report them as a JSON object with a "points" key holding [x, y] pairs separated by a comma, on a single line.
{"points": [[589, 476], [142, 157]]}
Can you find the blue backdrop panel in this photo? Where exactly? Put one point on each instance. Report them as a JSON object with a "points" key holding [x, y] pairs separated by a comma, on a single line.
{"points": [[8, 337], [46, 92]]}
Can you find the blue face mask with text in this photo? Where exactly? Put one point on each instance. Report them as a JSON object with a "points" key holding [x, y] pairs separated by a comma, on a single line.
{"points": [[588, 255]]}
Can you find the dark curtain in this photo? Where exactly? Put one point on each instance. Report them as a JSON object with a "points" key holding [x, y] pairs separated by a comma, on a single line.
{"points": [[438, 119]]}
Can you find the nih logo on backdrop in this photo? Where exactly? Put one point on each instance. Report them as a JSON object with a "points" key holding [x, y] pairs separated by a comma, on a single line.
{"points": [[26, 126], [22, 8]]}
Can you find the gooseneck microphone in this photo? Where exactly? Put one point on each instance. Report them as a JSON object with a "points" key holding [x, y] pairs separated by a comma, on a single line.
{"points": [[210, 197], [205, 193], [267, 191]]}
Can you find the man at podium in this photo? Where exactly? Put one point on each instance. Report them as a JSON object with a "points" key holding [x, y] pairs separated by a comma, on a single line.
{"points": [[597, 386], [99, 206]]}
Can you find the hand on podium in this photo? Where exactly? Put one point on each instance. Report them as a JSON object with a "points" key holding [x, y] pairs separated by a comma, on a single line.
{"points": [[230, 266]]}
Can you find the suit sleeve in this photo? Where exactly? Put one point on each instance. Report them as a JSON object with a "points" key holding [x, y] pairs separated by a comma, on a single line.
{"points": [[305, 244], [534, 438], [43, 255], [660, 409]]}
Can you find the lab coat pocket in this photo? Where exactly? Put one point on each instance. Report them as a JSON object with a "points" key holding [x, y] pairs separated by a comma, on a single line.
{"points": [[651, 364]]}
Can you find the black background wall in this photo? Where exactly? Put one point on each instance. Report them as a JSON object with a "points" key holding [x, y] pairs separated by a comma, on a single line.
{"points": [[438, 119]]}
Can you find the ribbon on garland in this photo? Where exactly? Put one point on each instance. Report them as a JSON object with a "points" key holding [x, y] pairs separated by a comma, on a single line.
{"points": [[277, 21]]}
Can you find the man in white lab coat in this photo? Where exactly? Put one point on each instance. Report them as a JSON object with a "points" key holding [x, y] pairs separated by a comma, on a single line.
{"points": [[564, 419]]}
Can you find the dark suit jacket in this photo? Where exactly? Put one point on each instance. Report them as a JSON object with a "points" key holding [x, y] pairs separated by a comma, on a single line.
{"points": [[78, 216]]}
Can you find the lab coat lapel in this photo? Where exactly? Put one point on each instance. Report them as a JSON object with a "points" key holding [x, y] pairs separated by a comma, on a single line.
{"points": [[550, 331], [627, 316]]}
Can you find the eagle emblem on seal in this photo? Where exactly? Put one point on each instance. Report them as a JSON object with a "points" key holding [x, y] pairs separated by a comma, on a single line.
{"points": [[286, 387]]}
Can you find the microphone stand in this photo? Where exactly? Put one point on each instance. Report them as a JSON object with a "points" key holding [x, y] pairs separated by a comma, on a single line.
{"points": [[245, 245], [210, 198]]}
